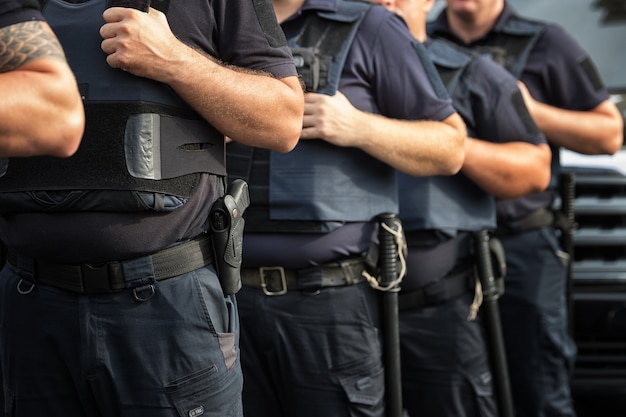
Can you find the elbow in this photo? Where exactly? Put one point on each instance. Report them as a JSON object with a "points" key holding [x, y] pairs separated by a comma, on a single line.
{"points": [[457, 161], [70, 134], [290, 125], [454, 163], [610, 147], [455, 158], [290, 137]]}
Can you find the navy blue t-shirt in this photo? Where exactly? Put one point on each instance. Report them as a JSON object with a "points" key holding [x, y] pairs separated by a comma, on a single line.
{"points": [[558, 72], [13, 11], [237, 32], [489, 101], [383, 74]]}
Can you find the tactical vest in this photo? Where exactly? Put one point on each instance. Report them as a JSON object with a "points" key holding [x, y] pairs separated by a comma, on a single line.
{"points": [[448, 203], [317, 186], [511, 46], [142, 149]]}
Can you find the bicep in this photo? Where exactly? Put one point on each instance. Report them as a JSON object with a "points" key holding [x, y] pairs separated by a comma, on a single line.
{"points": [[23, 43]]}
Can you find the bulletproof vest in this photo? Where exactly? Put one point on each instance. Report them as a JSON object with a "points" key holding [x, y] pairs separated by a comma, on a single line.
{"points": [[317, 186], [448, 203], [142, 149], [511, 46]]}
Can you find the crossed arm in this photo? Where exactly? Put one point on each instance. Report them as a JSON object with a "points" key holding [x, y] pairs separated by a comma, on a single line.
{"points": [[249, 107], [41, 112]]}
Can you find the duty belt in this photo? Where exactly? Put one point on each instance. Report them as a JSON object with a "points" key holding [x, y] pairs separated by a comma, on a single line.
{"points": [[109, 276], [538, 219], [276, 280], [438, 292]]}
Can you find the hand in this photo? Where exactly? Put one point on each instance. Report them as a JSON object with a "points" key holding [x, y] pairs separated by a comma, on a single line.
{"points": [[138, 42], [332, 118]]}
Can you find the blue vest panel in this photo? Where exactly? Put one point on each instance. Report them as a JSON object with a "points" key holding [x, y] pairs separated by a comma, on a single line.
{"points": [[318, 181], [447, 203]]}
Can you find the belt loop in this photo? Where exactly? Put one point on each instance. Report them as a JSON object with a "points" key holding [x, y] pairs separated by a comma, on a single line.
{"points": [[347, 272], [26, 266], [138, 272]]}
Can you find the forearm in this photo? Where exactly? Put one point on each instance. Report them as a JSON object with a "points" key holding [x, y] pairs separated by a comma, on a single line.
{"points": [[599, 131], [250, 108], [507, 170], [416, 147]]}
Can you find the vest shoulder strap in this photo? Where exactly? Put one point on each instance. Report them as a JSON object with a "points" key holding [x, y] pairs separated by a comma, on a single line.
{"points": [[512, 45], [450, 61], [321, 48]]}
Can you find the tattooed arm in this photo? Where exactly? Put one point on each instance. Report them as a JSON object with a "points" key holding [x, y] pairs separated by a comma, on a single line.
{"points": [[41, 112]]}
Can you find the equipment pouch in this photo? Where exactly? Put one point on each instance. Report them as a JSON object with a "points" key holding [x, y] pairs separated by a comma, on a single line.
{"points": [[308, 67], [227, 224]]}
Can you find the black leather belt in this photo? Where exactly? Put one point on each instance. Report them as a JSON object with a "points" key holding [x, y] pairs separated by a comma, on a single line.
{"points": [[538, 219], [109, 276], [438, 292], [276, 280]]}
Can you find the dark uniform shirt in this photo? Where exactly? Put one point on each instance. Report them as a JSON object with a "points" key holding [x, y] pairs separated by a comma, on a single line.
{"points": [[12, 11], [558, 72], [247, 35], [373, 81], [489, 101]]}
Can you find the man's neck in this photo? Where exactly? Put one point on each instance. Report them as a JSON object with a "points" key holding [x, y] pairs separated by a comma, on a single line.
{"points": [[286, 8], [470, 27]]}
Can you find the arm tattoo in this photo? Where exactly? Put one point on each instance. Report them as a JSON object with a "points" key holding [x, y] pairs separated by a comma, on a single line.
{"points": [[25, 42]]}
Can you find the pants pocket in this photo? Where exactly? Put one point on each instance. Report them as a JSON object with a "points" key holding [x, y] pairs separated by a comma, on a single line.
{"points": [[208, 393], [364, 384]]}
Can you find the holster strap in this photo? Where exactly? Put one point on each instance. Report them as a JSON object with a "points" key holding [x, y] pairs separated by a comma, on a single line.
{"points": [[438, 292], [109, 276], [276, 280]]}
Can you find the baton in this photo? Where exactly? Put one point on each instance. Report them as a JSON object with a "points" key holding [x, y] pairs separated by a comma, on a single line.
{"points": [[388, 257], [567, 191], [493, 325]]}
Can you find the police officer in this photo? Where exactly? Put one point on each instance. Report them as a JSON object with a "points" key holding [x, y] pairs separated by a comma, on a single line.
{"points": [[445, 357], [310, 320], [110, 304], [567, 100], [41, 112]]}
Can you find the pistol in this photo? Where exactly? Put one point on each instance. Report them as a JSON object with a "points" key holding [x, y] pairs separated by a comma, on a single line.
{"points": [[227, 224]]}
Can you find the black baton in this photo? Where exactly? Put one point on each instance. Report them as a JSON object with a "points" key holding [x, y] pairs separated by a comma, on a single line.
{"points": [[493, 326], [567, 191], [388, 261]]}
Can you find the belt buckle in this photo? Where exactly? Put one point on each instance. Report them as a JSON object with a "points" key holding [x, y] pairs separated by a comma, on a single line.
{"points": [[282, 280]]}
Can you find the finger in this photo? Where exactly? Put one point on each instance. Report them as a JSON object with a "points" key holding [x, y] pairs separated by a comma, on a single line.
{"points": [[115, 14]]}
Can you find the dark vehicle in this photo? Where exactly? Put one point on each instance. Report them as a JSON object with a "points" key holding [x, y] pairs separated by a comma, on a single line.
{"points": [[598, 289]]}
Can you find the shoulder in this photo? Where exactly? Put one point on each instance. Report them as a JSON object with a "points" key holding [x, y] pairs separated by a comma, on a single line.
{"points": [[380, 22], [552, 35], [17, 11], [492, 73]]}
